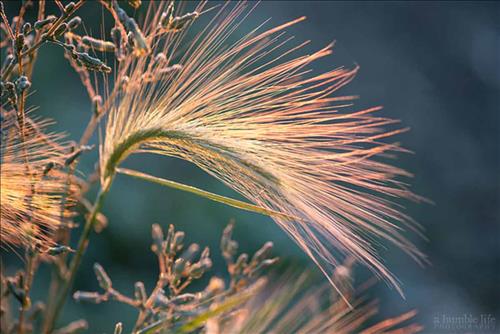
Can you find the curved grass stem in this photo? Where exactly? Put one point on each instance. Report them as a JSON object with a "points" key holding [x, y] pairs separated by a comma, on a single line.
{"points": [[53, 314], [206, 194], [119, 153]]}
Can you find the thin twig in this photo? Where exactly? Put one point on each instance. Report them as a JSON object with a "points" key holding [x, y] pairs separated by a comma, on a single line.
{"points": [[7, 26], [75, 262], [38, 35], [31, 260], [47, 36]]}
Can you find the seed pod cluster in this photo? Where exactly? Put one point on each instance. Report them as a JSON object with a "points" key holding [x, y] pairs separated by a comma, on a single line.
{"points": [[22, 84], [41, 24], [178, 23], [137, 41], [85, 60], [180, 264], [242, 269], [172, 250]]}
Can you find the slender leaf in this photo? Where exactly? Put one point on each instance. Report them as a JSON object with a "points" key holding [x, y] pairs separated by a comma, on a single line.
{"points": [[203, 193], [224, 307]]}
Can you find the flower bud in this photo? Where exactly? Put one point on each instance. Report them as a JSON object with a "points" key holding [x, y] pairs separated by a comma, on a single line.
{"points": [[176, 243], [116, 37], [89, 297], [134, 3], [157, 235], [91, 63], [240, 264], [8, 60], [198, 269], [60, 249], [69, 7], [140, 292], [61, 29], [98, 44], [26, 28], [22, 83], [102, 277], [183, 299], [40, 24], [74, 23], [118, 328], [262, 253], [190, 252], [74, 327], [19, 43], [177, 23], [179, 266]]}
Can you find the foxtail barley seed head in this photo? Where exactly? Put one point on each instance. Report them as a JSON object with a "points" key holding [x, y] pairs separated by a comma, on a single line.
{"points": [[250, 113], [30, 190], [286, 307]]}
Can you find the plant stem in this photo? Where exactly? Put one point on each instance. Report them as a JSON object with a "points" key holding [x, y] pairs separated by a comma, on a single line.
{"points": [[30, 264], [53, 314], [206, 194]]}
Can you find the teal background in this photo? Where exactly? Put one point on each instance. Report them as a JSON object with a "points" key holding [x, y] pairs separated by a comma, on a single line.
{"points": [[434, 65]]}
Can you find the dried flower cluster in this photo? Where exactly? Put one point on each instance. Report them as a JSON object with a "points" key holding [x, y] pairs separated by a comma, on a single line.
{"points": [[169, 306], [245, 108]]}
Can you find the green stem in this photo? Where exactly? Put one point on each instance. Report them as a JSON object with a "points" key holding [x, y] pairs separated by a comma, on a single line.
{"points": [[133, 141], [51, 318], [203, 193], [120, 152]]}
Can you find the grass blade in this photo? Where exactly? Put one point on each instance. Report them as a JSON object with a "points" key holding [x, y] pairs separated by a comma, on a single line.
{"points": [[203, 193], [224, 307]]}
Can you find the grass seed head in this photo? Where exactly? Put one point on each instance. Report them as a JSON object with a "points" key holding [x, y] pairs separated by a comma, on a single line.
{"points": [[30, 193], [250, 112]]}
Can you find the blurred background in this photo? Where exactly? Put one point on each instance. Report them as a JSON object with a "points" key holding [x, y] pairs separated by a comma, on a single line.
{"points": [[433, 65]]}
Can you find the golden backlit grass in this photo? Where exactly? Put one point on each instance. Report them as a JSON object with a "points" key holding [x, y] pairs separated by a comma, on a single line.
{"points": [[252, 113], [30, 194]]}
